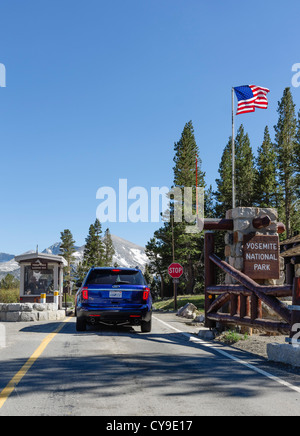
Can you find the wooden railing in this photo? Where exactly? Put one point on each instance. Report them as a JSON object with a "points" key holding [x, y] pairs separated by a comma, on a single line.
{"points": [[244, 299]]}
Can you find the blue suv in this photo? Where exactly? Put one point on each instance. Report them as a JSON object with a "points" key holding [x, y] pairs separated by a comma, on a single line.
{"points": [[114, 296]]}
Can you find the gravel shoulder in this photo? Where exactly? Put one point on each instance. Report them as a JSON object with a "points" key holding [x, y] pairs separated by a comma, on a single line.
{"points": [[256, 344]]}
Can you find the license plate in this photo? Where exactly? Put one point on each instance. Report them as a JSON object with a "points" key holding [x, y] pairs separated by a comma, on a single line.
{"points": [[115, 294]]}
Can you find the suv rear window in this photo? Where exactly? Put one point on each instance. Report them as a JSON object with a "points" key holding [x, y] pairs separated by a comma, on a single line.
{"points": [[115, 277]]}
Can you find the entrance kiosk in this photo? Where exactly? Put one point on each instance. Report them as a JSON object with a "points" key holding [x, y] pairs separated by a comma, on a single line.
{"points": [[41, 273]]}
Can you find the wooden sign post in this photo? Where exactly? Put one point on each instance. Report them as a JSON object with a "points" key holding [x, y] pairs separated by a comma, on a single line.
{"points": [[261, 256]]}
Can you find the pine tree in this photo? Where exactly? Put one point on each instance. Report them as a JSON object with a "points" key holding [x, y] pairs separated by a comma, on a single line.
{"points": [[223, 194], [89, 254], [188, 247], [9, 282], [93, 251], [266, 189], [81, 271], [245, 169], [158, 263], [296, 220], [109, 250], [286, 144], [186, 151], [245, 174], [297, 157], [98, 244], [148, 276], [67, 249]]}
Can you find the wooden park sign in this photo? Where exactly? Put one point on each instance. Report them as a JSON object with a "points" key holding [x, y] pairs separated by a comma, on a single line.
{"points": [[261, 256], [39, 265]]}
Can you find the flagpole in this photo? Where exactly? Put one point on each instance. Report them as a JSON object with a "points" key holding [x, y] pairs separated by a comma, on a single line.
{"points": [[233, 152], [197, 205]]}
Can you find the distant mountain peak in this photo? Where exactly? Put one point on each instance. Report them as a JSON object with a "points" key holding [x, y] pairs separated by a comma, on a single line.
{"points": [[5, 257], [128, 255]]}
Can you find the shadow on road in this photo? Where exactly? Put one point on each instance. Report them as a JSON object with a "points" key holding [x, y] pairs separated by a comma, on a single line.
{"points": [[169, 366]]}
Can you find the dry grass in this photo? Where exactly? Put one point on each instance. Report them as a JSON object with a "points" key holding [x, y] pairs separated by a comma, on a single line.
{"points": [[9, 295]]}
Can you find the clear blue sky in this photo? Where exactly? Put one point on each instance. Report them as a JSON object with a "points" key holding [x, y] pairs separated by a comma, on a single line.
{"points": [[98, 91]]}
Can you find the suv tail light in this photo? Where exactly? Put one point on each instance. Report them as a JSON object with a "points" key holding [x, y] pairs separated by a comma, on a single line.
{"points": [[146, 294], [85, 293]]}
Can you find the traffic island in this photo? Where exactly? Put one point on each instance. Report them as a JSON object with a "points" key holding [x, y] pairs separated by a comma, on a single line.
{"points": [[30, 312], [206, 334], [284, 353]]}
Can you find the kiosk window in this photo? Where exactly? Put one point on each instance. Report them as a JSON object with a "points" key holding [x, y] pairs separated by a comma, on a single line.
{"points": [[38, 282]]}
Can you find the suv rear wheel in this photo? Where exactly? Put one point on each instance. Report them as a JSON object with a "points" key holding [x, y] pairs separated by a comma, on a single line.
{"points": [[80, 325], [146, 326]]}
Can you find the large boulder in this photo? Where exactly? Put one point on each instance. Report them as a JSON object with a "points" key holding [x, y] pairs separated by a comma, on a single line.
{"points": [[188, 311]]}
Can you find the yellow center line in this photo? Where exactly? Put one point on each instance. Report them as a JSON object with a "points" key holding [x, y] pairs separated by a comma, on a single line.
{"points": [[5, 393]]}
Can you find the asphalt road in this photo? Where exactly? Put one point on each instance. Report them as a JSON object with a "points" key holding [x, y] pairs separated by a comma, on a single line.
{"points": [[120, 371]]}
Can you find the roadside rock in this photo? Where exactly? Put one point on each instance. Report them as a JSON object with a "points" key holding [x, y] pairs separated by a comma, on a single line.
{"points": [[199, 318], [187, 311]]}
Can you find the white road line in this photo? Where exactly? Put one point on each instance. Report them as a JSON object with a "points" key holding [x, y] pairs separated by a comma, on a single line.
{"points": [[235, 359]]}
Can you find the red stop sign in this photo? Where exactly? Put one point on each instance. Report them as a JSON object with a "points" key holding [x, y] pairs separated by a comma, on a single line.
{"points": [[175, 270]]}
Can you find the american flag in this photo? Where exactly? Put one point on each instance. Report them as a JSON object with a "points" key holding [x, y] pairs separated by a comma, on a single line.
{"points": [[249, 97]]}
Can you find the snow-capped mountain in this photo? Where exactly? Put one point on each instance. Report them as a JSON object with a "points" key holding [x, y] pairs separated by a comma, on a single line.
{"points": [[10, 267], [127, 255]]}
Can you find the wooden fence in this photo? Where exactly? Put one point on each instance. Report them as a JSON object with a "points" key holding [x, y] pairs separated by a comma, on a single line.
{"points": [[246, 297]]}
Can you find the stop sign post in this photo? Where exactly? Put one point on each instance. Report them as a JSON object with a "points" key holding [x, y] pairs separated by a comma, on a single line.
{"points": [[175, 270]]}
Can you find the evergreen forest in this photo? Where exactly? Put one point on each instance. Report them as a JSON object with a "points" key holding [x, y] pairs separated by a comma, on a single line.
{"points": [[271, 178]]}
